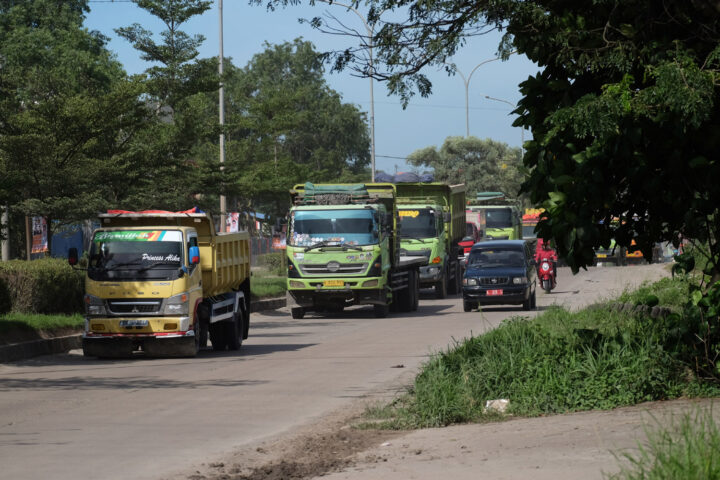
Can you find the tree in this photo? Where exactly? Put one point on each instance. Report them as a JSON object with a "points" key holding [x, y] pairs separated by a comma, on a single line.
{"points": [[482, 165], [63, 100], [286, 126], [624, 112], [170, 176]]}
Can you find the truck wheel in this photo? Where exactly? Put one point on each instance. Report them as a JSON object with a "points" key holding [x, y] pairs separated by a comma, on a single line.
{"points": [[217, 336], [453, 284], [468, 306], [416, 291], [381, 311], [441, 288], [297, 312], [234, 331]]}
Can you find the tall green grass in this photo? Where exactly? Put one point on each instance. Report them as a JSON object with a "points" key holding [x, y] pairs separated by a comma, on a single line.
{"points": [[686, 448], [596, 358]]}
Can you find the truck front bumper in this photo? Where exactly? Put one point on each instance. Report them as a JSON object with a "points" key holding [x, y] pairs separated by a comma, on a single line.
{"points": [[326, 296], [431, 273]]}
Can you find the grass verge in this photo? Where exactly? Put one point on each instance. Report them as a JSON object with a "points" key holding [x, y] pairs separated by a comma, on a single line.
{"points": [[596, 358], [686, 447], [267, 287]]}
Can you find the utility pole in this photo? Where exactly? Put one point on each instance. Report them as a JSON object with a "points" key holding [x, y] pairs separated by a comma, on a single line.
{"points": [[5, 230], [221, 109]]}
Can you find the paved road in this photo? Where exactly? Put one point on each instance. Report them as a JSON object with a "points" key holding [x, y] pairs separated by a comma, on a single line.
{"points": [[69, 417]]}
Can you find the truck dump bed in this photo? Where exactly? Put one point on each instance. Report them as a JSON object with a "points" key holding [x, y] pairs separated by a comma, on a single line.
{"points": [[224, 257]]}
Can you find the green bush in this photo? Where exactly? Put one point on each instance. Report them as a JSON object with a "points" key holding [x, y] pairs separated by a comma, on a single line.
{"points": [[47, 286], [275, 263]]}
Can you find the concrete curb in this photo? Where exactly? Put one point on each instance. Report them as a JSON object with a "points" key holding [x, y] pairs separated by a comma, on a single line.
{"points": [[49, 346]]}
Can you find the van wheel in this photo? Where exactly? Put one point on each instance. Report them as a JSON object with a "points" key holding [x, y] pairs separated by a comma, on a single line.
{"points": [[297, 312]]}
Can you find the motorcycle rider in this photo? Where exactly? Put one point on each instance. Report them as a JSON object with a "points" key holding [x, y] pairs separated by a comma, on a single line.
{"points": [[543, 251]]}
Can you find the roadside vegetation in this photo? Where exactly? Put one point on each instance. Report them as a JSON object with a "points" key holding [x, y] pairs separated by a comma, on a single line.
{"points": [[618, 353], [687, 447]]}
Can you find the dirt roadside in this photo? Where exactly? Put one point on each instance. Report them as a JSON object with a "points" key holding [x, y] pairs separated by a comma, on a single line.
{"points": [[581, 445]]}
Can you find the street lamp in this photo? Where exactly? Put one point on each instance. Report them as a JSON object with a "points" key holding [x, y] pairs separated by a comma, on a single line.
{"points": [[221, 110], [522, 129], [466, 81], [371, 39]]}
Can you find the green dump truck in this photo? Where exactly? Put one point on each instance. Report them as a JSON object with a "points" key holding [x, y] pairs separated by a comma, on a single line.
{"points": [[496, 216], [432, 222], [343, 249]]}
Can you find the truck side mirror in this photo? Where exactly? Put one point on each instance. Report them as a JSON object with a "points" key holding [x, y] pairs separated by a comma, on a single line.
{"points": [[194, 253], [72, 256]]}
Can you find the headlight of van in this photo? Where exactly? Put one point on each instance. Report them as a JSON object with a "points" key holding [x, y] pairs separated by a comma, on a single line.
{"points": [[469, 281], [94, 305], [518, 280], [177, 305]]}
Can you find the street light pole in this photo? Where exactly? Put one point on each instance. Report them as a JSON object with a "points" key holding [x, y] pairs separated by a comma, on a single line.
{"points": [[371, 44], [221, 109], [522, 129], [466, 81]]}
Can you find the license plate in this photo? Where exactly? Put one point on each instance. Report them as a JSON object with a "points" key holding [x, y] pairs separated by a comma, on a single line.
{"points": [[601, 255], [493, 293], [333, 283], [133, 323]]}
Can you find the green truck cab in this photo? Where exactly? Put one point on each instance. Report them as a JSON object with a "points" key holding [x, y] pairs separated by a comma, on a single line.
{"points": [[432, 222], [343, 249], [497, 217]]}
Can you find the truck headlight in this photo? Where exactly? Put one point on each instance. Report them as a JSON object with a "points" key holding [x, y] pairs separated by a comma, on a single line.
{"points": [[470, 281], [434, 270], [518, 280], [177, 305], [94, 305]]}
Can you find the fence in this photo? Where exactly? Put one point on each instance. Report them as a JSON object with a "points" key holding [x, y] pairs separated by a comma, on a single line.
{"points": [[260, 246]]}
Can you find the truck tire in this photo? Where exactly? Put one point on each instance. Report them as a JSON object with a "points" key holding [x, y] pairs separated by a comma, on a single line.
{"points": [[455, 284], [297, 312], [441, 287], [381, 311], [217, 336], [468, 306], [234, 331], [416, 290]]}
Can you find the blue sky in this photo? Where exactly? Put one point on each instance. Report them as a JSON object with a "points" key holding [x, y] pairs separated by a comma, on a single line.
{"points": [[425, 122]]}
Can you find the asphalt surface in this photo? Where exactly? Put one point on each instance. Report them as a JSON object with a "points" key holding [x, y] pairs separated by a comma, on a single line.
{"points": [[66, 417]]}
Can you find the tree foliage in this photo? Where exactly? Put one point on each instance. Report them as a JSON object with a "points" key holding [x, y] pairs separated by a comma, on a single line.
{"points": [[624, 111], [285, 125], [63, 100], [171, 176], [482, 165]]}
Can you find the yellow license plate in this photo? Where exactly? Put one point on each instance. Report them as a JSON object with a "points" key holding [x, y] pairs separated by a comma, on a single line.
{"points": [[333, 283], [601, 255]]}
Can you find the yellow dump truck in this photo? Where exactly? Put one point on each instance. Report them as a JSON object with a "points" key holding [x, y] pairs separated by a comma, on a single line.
{"points": [[159, 282]]}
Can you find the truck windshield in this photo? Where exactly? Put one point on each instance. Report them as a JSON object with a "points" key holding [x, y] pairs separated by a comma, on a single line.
{"points": [[417, 223], [333, 227], [136, 255], [496, 257], [498, 217]]}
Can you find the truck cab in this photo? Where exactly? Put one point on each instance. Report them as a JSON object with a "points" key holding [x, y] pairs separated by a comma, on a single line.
{"points": [[342, 249]]}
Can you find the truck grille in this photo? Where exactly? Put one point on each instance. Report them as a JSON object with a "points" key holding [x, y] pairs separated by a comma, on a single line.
{"points": [[416, 253], [134, 306], [494, 281], [333, 268]]}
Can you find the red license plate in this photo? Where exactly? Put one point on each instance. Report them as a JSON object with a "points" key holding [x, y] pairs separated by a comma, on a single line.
{"points": [[494, 292]]}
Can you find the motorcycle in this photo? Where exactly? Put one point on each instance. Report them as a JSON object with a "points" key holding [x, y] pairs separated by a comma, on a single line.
{"points": [[546, 275]]}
